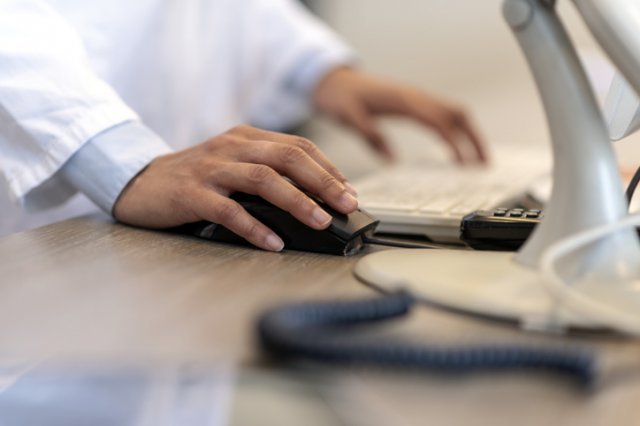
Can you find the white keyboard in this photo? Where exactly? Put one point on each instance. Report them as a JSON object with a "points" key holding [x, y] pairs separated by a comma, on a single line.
{"points": [[431, 199]]}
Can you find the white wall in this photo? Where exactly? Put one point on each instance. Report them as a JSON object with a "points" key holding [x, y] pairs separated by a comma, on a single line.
{"points": [[461, 49]]}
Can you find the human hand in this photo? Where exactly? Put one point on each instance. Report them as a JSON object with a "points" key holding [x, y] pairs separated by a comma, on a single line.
{"points": [[356, 98], [195, 184]]}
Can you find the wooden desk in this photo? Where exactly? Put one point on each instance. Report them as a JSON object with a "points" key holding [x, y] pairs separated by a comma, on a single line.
{"points": [[89, 288]]}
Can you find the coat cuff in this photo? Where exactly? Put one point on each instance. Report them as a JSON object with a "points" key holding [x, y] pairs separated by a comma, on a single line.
{"points": [[105, 164]]}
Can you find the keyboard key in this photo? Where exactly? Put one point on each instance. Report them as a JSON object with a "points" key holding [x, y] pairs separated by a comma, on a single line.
{"points": [[426, 197], [438, 205]]}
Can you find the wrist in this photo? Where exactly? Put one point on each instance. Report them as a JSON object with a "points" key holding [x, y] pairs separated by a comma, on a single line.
{"points": [[331, 88]]}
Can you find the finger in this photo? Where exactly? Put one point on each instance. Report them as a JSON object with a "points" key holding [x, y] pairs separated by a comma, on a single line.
{"points": [[309, 147], [319, 157], [473, 136], [264, 181], [450, 136], [296, 164], [442, 122], [358, 117], [226, 212]]}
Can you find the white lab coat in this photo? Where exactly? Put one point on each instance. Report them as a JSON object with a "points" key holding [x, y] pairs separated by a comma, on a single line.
{"points": [[188, 69]]}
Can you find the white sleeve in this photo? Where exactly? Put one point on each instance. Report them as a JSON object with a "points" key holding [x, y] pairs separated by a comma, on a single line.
{"points": [[297, 50], [51, 101], [105, 164]]}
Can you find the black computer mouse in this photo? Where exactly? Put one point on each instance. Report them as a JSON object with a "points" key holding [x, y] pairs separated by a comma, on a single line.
{"points": [[343, 237]]}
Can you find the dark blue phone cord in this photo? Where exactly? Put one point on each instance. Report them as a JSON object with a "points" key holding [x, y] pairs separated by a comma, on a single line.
{"points": [[313, 331]]}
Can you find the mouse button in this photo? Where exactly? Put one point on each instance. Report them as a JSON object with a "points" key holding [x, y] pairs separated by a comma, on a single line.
{"points": [[224, 235], [315, 241], [261, 210], [349, 226], [243, 197]]}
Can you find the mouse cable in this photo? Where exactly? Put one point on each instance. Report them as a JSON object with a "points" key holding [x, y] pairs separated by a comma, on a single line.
{"points": [[324, 332], [631, 188], [400, 244], [565, 292]]}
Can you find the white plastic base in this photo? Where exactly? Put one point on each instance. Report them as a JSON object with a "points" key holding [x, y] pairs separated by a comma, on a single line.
{"points": [[486, 283]]}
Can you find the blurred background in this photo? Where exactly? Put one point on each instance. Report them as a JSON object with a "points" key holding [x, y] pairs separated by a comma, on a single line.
{"points": [[461, 50]]}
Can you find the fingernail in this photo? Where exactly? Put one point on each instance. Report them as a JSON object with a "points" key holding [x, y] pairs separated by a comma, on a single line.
{"points": [[320, 217], [348, 202], [274, 243], [350, 189]]}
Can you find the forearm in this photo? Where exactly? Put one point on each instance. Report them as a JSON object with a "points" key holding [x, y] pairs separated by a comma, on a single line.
{"points": [[51, 101], [298, 51]]}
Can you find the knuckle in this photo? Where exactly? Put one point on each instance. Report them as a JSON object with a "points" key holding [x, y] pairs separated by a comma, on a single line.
{"points": [[444, 127], [252, 231], [447, 118], [291, 154], [260, 174], [220, 142], [328, 182], [458, 114], [220, 173], [460, 111], [300, 199], [228, 212], [212, 143], [305, 144], [239, 129], [234, 141], [333, 170], [211, 163]]}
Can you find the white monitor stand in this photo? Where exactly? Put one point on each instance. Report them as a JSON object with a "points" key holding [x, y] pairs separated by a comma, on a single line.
{"points": [[622, 109], [587, 192]]}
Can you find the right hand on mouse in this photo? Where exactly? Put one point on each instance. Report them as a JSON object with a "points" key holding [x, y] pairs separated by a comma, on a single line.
{"points": [[195, 184]]}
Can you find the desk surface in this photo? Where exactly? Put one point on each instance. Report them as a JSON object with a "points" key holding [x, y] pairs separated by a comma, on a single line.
{"points": [[88, 288]]}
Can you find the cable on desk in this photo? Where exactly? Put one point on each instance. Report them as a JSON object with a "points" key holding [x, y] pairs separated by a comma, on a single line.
{"points": [[320, 332], [400, 244]]}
